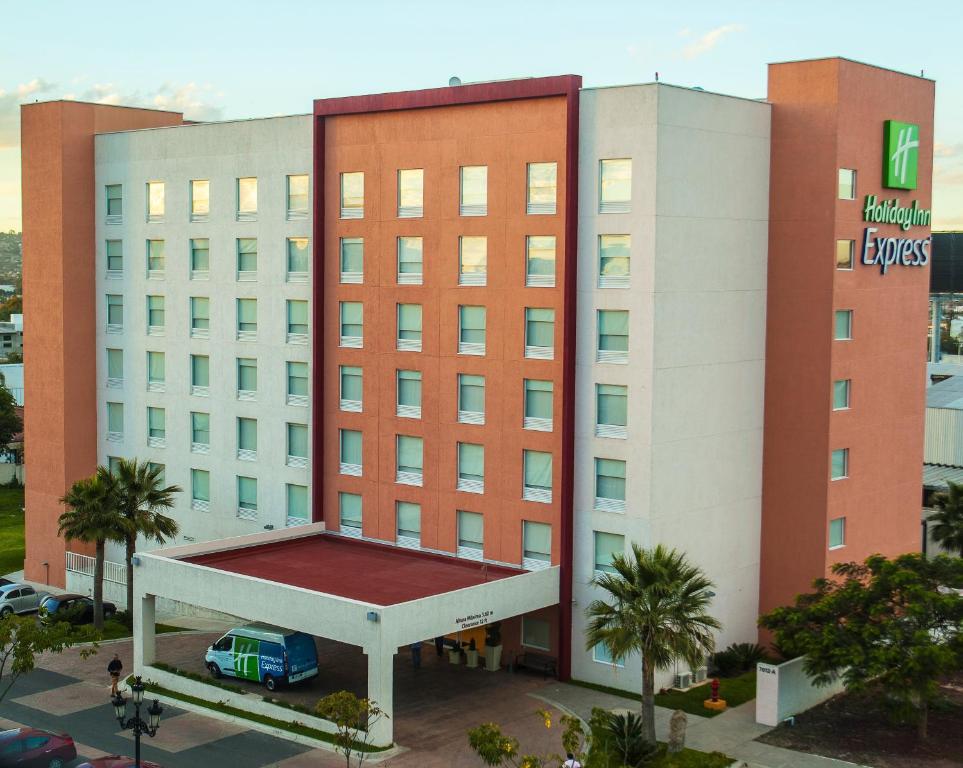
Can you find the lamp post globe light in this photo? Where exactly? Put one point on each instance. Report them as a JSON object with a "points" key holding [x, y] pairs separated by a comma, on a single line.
{"points": [[136, 723]]}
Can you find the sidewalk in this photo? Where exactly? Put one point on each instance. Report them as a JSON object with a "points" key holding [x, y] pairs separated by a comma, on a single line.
{"points": [[733, 732]]}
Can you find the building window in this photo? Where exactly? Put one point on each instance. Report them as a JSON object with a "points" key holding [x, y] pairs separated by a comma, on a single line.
{"points": [[351, 388], [409, 452], [542, 184], [540, 262], [539, 403], [352, 324], [613, 336], [615, 186], [539, 333], [247, 199], [115, 368], [843, 325], [246, 258], [609, 485], [115, 421], [614, 261], [473, 190], [247, 439], [114, 253], [410, 260], [841, 394], [297, 314], [536, 633], [298, 260], [611, 405], [155, 372], [409, 328], [471, 398], [155, 201], [349, 514], [352, 195], [246, 378], [200, 374], [471, 535], [200, 490], [350, 456], [200, 258], [536, 545], [155, 315], [297, 376], [115, 203], [408, 405], [847, 184], [297, 504], [352, 260], [297, 197], [156, 427], [471, 468], [297, 455], [839, 464], [156, 259], [408, 517], [844, 254], [200, 317], [200, 199], [115, 313], [837, 533], [602, 655], [411, 193], [537, 467], [247, 319], [200, 432], [607, 546], [247, 498], [472, 260], [471, 330]]}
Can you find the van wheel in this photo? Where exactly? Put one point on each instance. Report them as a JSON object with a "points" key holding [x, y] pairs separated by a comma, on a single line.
{"points": [[214, 670], [270, 683]]}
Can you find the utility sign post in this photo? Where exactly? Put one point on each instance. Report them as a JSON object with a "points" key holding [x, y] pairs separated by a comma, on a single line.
{"points": [[901, 148]]}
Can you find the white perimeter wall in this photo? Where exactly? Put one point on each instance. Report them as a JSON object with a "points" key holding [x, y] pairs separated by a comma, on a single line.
{"points": [[695, 377]]}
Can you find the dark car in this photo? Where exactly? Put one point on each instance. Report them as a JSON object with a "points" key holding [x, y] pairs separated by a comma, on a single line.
{"points": [[33, 748], [117, 761], [77, 609]]}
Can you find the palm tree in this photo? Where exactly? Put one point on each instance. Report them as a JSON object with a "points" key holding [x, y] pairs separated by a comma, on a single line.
{"points": [[143, 500], [656, 607], [948, 531], [92, 516]]}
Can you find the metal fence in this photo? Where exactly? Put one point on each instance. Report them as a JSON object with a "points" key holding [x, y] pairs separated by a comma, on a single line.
{"points": [[84, 564]]}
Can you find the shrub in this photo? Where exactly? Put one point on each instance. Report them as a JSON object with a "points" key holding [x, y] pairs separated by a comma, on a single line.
{"points": [[739, 658], [618, 739]]}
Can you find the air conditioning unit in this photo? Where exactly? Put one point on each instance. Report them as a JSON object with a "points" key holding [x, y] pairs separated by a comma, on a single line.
{"points": [[699, 675], [681, 680]]}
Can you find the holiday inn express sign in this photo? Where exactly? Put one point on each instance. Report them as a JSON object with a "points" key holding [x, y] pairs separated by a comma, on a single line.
{"points": [[901, 143]]}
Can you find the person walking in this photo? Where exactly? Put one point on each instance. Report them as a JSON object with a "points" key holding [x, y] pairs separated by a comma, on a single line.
{"points": [[571, 762], [114, 669]]}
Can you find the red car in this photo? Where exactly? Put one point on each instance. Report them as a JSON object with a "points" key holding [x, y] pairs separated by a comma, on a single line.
{"points": [[33, 748], [117, 761]]}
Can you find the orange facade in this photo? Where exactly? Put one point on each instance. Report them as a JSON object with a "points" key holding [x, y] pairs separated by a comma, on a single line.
{"points": [[829, 115], [60, 420]]}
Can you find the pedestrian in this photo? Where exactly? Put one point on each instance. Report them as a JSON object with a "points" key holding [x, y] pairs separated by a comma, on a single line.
{"points": [[416, 655], [114, 669], [440, 646], [571, 762]]}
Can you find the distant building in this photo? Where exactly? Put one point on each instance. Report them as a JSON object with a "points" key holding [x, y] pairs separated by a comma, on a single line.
{"points": [[11, 375]]}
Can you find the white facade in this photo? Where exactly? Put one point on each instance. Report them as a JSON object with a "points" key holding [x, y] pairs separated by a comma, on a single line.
{"points": [[698, 222], [269, 150]]}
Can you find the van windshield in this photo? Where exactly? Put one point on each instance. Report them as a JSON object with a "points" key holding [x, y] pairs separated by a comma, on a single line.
{"points": [[224, 644]]}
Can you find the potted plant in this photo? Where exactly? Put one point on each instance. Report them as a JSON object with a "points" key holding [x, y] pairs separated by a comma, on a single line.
{"points": [[454, 653], [493, 646], [471, 655]]}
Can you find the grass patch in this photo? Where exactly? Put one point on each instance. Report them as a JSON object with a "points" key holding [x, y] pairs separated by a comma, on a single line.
{"points": [[690, 758], [11, 530], [118, 630], [292, 727]]}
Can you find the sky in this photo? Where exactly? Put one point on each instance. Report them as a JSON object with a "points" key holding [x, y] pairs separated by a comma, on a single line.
{"points": [[223, 59]]}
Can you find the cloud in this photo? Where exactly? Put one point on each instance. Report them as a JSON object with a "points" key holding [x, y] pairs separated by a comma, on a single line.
{"points": [[942, 151], [708, 41], [10, 102]]}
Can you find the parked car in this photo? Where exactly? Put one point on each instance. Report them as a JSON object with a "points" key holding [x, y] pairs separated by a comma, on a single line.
{"points": [[34, 748], [264, 654], [19, 598], [117, 761], [78, 609]]}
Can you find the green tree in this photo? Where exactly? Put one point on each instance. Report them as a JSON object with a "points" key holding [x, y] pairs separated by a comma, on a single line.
{"points": [[143, 499], [948, 518], [354, 719], [499, 750], [12, 306], [10, 422], [656, 607], [22, 639], [93, 515], [892, 623]]}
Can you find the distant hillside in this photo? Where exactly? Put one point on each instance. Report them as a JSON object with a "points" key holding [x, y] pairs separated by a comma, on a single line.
{"points": [[11, 255]]}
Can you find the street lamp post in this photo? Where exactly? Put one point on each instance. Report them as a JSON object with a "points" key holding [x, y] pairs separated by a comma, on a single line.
{"points": [[136, 724]]}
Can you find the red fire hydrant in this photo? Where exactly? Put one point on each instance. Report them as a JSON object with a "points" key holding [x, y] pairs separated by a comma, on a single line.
{"points": [[715, 689]]}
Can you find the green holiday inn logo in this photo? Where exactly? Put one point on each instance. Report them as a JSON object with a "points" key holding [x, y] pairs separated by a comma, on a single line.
{"points": [[901, 148]]}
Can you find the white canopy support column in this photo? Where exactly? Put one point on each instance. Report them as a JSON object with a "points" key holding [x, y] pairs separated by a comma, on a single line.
{"points": [[381, 691], [145, 650]]}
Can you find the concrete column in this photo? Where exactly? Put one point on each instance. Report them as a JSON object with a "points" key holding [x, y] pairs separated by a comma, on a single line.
{"points": [[145, 649], [381, 691]]}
